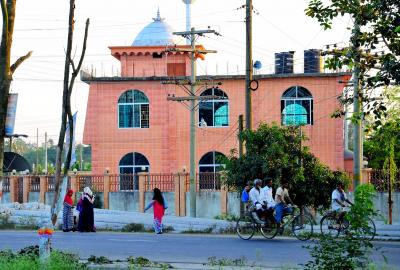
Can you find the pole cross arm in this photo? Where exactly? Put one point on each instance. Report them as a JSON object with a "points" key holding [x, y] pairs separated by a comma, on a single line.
{"points": [[188, 98], [195, 32], [190, 50]]}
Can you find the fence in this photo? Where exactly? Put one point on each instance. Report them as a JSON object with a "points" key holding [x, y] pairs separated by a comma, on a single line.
{"points": [[94, 182], [34, 183], [380, 180], [165, 182]]}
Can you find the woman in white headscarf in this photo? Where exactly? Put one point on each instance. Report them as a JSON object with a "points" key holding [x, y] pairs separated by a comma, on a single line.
{"points": [[86, 215]]}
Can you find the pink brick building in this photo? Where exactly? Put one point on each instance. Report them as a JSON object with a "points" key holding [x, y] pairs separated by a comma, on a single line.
{"points": [[132, 127]]}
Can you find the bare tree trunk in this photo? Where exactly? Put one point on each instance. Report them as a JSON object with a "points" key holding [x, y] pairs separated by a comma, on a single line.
{"points": [[6, 70], [66, 114]]}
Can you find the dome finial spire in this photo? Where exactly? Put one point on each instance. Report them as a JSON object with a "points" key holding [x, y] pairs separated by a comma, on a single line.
{"points": [[158, 18]]}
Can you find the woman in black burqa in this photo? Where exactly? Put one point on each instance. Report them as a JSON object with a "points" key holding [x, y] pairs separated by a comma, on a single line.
{"points": [[86, 214]]}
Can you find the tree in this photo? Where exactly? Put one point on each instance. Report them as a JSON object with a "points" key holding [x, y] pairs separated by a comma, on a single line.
{"points": [[6, 70], [66, 115], [375, 46], [274, 152]]}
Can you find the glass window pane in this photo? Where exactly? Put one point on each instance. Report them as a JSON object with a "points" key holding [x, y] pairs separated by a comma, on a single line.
{"points": [[207, 159], [140, 97], [290, 93], [126, 97], [206, 113], [125, 116], [126, 170], [140, 160], [205, 169], [127, 160], [207, 92], [144, 112], [302, 92], [136, 115], [221, 114]]}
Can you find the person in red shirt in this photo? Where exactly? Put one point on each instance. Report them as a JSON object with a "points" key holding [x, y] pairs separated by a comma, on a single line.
{"points": [[159, 205]]}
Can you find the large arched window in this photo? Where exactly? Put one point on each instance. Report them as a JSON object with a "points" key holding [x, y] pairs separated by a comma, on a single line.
{"points": [[214, 112], [209, 166], [297, 106], [133, 110], [211, 162], [129, 166]]}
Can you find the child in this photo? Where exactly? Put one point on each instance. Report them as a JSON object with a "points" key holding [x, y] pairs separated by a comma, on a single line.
{"points": [[159, 206]]}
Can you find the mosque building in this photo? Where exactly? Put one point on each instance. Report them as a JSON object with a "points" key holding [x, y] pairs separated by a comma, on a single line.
{"points": [[132, 127]]}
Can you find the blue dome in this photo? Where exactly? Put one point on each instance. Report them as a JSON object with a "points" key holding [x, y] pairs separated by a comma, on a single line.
{"points": [[157, 33]]}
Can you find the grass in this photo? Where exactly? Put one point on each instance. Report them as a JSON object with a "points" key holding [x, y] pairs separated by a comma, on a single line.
{"points": [[227, 217], [213, 261], [28, 259]]}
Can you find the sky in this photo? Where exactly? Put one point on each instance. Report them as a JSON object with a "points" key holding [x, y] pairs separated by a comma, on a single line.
{"points": [[41, 26]]}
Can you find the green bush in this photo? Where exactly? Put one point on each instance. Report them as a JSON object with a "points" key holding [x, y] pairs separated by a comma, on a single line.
{"points": [[28, 259]]}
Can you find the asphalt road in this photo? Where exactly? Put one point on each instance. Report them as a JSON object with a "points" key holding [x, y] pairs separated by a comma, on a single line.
{"points": [[183, 248]]}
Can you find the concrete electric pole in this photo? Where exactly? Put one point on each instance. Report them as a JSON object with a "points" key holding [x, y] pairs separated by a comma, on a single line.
{"points": [[192, 98], [357, 103], [249, 63]]}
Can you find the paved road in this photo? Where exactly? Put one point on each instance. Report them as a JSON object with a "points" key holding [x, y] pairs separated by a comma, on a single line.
{"points": [[182, 248]]}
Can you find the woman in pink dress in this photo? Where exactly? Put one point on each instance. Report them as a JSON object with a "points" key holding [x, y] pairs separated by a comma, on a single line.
{"points": [[159, 205]]}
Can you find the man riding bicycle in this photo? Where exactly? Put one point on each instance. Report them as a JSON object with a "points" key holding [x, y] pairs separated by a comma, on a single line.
{"points": [[338, 202], [257, 198], [282, 199]]}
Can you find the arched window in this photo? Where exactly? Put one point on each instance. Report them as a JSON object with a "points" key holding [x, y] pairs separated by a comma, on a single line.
{"points": [[215, 112], [129, 166], [297, 106], [133, 110], [209, 166]]}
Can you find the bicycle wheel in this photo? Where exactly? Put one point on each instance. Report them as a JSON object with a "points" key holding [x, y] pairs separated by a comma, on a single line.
{"points": [[369, 231], [329, 226], [302, 227], [245, 227], [269, 229]]}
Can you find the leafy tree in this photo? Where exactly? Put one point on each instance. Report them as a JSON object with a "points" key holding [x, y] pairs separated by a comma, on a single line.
{"points": [[375, 46], [275, 152], [6, 69]]}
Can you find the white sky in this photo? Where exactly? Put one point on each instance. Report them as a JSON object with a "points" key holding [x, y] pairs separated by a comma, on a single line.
{"points": [[41, 26]]}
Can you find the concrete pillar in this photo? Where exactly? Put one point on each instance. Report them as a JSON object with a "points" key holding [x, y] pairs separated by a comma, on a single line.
{"points": [[366, 175], [183, 177], [224, 200], [177, 194], [106, 190], [142, 187], [43, 188], [13, 188], [25, 188]]}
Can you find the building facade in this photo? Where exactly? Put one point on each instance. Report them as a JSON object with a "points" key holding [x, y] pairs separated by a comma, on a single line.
{"points": [[132, 127]]}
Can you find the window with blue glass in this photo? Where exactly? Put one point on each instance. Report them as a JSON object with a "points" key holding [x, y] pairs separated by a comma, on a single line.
{"points": [[297, 107], [129, 166], [133, 110], [214, 112]]}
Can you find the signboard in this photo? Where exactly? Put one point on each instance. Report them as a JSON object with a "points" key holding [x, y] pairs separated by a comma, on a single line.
{"points": [[11, 113]]}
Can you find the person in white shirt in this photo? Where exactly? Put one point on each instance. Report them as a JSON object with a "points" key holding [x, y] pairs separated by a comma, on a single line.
{"points": [[269, 199], [257, 198], [338, 201]]}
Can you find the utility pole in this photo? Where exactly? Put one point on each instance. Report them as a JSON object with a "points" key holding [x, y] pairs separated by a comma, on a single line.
{"points": [[81, 158], [357, 103], [240, 138], [192, 98], [37, 150], [249, 64], [45, 152]]}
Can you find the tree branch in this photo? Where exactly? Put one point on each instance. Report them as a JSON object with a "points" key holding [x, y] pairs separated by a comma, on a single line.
{"points": [[83, 47], [19, 61]]}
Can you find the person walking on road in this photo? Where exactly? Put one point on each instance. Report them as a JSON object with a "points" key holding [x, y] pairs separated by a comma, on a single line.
{"points": [[68, 217], [86, 214], [159, 205]]}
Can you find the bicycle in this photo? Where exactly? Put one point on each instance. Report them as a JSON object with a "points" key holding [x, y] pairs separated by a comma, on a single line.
{"points": [[301, 226], [331, 225]]}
